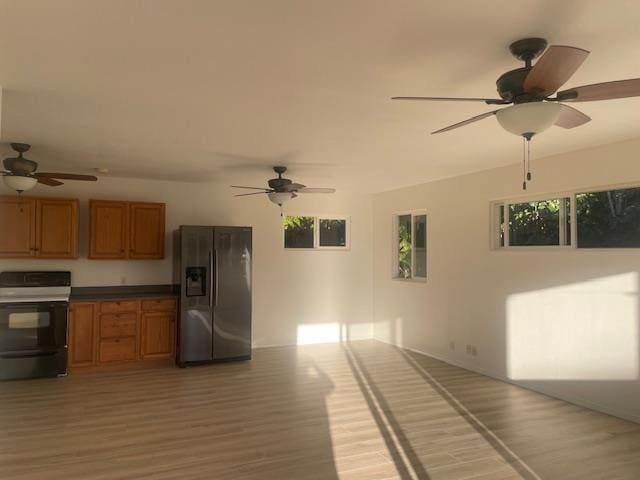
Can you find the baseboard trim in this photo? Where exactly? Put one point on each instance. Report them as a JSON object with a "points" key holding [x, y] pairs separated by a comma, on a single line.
{"points": [[581, 402], [278, 345]]}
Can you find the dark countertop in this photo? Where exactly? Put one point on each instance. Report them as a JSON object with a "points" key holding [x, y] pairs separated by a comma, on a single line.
{"points": [[123, 292]]}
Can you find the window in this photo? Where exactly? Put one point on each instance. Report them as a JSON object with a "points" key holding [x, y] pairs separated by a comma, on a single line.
{"points": [[609, 219], [307, 232], [410, 246], [536, 223], [585, 219], [332, 232], [298, 232]]}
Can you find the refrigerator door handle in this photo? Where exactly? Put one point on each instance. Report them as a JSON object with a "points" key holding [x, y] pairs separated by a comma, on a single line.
{"points": [[211, 287], [215, 256]]}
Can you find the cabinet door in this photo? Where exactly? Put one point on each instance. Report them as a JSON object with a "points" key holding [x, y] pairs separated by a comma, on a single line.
{"points": [[56, 228], [18, 227], [107, 229], [157, 337], [83, 334], [146, 234]]}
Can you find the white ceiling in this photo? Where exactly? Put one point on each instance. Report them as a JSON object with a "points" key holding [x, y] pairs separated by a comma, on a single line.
{"points": [[202, 90]]}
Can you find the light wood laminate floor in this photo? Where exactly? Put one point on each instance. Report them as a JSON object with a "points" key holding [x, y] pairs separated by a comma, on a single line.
{"points": [[364, 410]]}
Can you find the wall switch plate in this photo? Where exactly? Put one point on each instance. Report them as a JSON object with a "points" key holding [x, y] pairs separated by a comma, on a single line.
{"points": [[474, 350]]}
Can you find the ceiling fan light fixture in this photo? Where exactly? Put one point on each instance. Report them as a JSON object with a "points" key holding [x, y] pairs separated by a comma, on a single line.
{"points": [[528, 118], [279, 197], [20, 183]]}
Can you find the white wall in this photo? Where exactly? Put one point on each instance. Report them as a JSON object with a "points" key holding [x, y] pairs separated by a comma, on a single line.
{"points": [[562, 322], [318, 290]]}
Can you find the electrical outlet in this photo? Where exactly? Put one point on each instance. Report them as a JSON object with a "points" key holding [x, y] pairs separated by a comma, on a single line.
{"points": [[452, 345], [474, 350], [123, 280]]}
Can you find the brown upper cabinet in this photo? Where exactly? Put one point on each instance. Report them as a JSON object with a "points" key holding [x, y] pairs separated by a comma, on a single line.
{"points": [[108, 229], [38, 227], [146, 230], [119, 230]]}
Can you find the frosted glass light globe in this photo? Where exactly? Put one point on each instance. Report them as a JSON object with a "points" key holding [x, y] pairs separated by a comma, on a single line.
{"points": [[533, 117], [279, 197], [19, 183]]}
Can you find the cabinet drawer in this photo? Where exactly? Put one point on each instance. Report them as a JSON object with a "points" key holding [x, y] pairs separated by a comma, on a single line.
{"points": [[118, 349], [159, 305], [118, 325], [122, 306]]}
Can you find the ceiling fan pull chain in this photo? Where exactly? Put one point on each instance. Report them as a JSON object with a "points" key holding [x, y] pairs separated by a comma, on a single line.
{"points": [[524, 164], [528, 159]]}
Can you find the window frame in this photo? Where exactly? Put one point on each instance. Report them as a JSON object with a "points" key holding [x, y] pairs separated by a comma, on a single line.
{"points": [[316, 232], [494, 219], [394, 244]]}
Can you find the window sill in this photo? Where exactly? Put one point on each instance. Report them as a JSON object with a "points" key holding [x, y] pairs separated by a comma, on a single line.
{"points": [[409, 280], [318, 249], [539, 248]]}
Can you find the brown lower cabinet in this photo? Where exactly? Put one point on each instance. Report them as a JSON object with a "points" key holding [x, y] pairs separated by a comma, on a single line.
{"points": [[126, 332], [83, 334]]}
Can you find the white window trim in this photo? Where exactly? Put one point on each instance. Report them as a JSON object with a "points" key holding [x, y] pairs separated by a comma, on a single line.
{"points": [[394, 254], [494, 240], [316, 232]]}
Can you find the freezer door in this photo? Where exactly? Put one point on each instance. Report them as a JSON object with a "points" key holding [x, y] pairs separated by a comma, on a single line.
{"points": [[232, 293], [196, 320]]}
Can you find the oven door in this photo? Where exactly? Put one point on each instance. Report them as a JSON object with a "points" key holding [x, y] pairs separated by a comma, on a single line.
{"points": [[32, 329]]}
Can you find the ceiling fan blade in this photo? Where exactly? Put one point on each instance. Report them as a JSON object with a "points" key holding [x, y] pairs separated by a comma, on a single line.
{"points": [[554, 68], [250, 188], [66, 176], [465, 122], [293, 187], [602, 91], [253, 193], [490, 101], [317, 190], [49, 181], [571, 117]]}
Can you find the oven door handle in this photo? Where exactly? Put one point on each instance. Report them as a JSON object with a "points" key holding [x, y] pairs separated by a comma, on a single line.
{"points": [[8, 304], [29, 353]]}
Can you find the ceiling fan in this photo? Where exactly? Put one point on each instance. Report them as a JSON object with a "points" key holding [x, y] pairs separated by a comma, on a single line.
{"points": [[21, 172], [529, 89], [282, 189]]}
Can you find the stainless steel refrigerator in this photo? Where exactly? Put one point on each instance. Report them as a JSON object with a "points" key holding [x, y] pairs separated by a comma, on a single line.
{"points": [[213, 268]]}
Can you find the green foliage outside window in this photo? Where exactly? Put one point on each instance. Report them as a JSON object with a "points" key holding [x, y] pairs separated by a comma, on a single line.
{"points": [[298, 231], [404, 246], [609, 219], [333, 233], [534, 223]]}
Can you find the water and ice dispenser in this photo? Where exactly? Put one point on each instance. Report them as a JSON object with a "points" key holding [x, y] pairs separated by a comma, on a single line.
{"points": [[196, 281]]}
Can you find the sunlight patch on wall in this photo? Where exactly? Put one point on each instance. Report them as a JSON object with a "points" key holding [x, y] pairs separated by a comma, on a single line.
{"points": [[580, 331], [332, 332], [389, 331], [318, 333]]}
